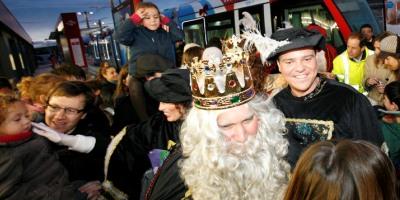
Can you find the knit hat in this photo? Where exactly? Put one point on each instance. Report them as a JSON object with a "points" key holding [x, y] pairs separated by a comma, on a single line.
{"points": [[172, 87], [298, 38], [150, 63], [390, 46]]}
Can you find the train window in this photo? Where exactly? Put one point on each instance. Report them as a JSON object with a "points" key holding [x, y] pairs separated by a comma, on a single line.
{"points": [[220, 26], [195, 31], [357, 13], [302, 16]]}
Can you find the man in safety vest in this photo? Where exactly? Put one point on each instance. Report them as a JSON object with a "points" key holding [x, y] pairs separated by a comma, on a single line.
{"points": [[349, 65]]}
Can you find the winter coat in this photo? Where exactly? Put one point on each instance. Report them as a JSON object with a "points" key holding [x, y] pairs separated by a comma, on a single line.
{"points": [[29, 170], [142, 40]]}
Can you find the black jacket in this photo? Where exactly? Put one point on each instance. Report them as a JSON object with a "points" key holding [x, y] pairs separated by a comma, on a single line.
{"points": [[130, 158], [85, 166], [339, 110], [142, 40], [167, 183], [29, 170]]}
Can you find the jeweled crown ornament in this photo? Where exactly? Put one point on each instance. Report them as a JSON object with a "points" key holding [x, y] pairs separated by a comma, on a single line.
{"points": [[220, 82]]}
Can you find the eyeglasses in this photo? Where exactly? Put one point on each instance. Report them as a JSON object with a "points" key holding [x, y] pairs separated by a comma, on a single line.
{"points": [[67, 111]]}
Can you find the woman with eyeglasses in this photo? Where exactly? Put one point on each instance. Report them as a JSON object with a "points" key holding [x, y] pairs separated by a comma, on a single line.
{"points": [[79, 144]]}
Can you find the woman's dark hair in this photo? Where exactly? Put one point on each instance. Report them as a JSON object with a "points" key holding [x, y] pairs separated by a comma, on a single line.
{"points": [[104, 66], [73, 89], [122, 89], [392, 91], [186, 106], [348, 170]]}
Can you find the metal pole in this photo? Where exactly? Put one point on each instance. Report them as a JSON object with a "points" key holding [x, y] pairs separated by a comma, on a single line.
{"points": [[87, 19]]}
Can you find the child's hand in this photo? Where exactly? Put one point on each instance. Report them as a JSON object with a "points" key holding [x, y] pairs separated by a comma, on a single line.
{"points": [[165, 27], [140, 12], [164, 21], [47, 132]]}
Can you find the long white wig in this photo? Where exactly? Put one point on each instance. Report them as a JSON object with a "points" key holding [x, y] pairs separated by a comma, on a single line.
{"points": [[257, 171]]}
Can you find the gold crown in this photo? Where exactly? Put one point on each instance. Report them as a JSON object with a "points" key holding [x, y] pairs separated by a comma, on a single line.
{"points": [[219, 83]]}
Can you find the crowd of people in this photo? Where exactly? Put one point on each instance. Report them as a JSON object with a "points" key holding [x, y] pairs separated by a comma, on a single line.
{"points": [[327, 127]]}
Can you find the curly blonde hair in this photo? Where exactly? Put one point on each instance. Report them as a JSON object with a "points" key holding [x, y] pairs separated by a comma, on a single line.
{"points": [[31, 88]]}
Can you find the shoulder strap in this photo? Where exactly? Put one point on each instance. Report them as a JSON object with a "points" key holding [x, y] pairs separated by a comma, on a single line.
{"points": [[107, 185]]}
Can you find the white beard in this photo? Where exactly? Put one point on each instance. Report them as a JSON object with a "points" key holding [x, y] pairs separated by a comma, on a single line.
{"points": [[231, 170]]}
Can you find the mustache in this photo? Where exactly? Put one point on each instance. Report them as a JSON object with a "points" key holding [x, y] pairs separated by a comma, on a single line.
{"points": [[242, 149]]}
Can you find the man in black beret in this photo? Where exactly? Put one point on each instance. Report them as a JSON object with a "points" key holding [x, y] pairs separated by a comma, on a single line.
{"points": [[316, 108]]}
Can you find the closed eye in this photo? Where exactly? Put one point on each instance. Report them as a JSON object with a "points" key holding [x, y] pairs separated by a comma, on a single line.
{"points": [[248, 120]]}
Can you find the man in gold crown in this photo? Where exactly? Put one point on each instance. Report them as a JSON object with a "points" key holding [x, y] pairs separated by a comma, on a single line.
{"points": [[316, 108], [232, 139]]}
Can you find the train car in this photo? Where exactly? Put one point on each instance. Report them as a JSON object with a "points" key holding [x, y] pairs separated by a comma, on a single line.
{"points": [[16, 47], [204, 20]]}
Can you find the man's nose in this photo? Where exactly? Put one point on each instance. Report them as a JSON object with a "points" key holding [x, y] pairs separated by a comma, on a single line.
{"points": [[239, 134]]}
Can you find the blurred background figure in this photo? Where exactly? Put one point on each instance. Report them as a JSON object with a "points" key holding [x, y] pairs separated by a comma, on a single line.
{"points": [[376, 74], [368, 33], [349, 65], [70, 72], [390, 53], [191, 51], [391, 123]]}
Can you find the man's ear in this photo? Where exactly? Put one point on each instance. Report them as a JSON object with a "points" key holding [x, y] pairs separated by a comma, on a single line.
{"points": [[279, 66]]}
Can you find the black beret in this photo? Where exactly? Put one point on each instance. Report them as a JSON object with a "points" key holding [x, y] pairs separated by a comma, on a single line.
{"points": [[298, 38], [172, 87]]}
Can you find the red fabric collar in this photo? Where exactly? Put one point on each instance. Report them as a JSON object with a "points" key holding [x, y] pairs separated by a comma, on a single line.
{"points": [[15, 137]]}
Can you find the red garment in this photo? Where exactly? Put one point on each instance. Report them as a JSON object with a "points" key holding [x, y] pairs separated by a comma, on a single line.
{"points": [[330, 54], [330, 51], [15, 137]]}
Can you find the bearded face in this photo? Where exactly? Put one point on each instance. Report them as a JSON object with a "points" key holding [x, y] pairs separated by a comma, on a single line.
{"points": [[217, 166]]}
